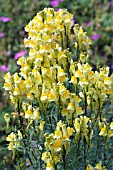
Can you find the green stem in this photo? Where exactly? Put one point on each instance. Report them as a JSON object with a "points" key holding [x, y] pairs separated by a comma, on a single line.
{"points": [[64, 158], [85, 151]]}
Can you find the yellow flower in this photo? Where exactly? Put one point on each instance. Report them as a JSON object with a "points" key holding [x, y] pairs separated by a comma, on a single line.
{"points": [[11, 146], [7, 86], [16, 91], [7, 118], [111, 125], [103, 132], [49, 166], [28, 114], [79, 111], [73, 80], [12, 137], [43, 97], [70, 107], [57, 145], [77, 125], [70, 131], [58, 134], [89, 167]]}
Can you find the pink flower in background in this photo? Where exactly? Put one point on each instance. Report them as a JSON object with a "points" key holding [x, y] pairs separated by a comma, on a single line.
{"points": [[112, 65], [111, 3], [73, 21], [8, 53], [4, 68], [20, 54], [95, 37], [57, 9], [88, 24], [5, 19], [55, 3], [1, 35]]}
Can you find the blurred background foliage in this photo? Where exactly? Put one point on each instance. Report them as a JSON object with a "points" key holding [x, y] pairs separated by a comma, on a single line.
{"points": [[96, 18]]}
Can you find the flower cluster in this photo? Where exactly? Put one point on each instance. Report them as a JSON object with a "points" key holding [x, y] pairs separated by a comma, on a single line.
{"points": [[14, 140], [56, 144], [51, 80]]}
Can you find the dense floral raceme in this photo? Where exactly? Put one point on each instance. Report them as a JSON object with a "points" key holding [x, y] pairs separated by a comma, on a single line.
{"points": [[56, 78]]}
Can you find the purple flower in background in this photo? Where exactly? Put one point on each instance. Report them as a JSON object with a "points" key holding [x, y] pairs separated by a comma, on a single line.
{"points": [[5, 19], [88, 24], [73, 21], [112, 65], [8, 52], [57, 9], [4, 68], [111, 3], [19, 54], [95, 37], [1, 35], [112, 38], [54, 3]]}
